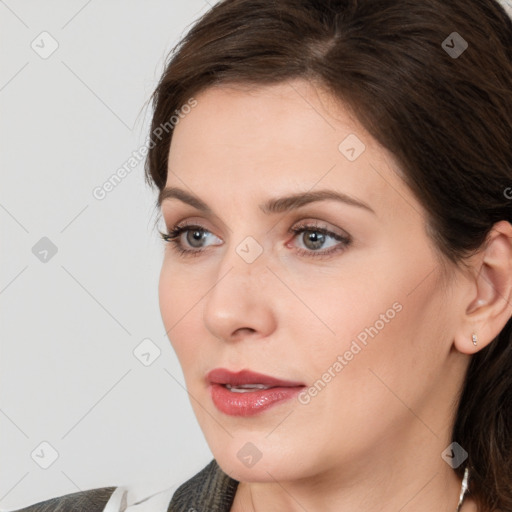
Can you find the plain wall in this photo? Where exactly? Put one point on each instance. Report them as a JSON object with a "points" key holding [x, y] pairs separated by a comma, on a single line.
{"points": [[70, 321]]}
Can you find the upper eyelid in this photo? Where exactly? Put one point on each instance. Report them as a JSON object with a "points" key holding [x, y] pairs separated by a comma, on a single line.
{"points": [[318, 225], [189, 223], [297, 228], [300, 224]]}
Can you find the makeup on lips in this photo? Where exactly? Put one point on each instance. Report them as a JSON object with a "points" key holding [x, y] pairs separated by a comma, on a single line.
{"points": [[247, 393]]}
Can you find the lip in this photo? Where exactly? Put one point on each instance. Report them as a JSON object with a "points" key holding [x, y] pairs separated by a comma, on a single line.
{"points": [[252, 402], [223, 376]]}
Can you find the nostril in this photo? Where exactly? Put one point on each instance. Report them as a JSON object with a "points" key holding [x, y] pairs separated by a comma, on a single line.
{"points": [[243, 330]]}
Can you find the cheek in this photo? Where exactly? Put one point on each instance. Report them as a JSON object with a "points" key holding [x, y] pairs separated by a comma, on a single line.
{"points": [[357, 332], [390, 356], [347, 304], [377, 320], [177, 299]]}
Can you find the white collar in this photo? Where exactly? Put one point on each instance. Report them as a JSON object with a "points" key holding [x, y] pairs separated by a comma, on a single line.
{"points": [[135, 497]]}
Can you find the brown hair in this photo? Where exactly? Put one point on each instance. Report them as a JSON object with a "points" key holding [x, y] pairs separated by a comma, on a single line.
{"points": [[446, 118]]}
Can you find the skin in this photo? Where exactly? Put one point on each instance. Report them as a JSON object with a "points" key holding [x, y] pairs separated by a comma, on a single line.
{"points": [[372, 438]]}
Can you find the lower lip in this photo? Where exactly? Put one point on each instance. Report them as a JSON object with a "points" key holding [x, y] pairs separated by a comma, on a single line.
{"points": [[252, 402]]}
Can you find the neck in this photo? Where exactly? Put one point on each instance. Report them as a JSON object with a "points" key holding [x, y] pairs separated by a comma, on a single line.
{"points": [[437, 493], [420, 482]]}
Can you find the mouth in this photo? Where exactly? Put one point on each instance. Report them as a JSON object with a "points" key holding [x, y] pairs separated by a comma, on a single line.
{"points": [[247, 393]]}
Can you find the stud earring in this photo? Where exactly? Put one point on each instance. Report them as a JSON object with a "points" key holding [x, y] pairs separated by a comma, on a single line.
{"points": [[475, 339]]}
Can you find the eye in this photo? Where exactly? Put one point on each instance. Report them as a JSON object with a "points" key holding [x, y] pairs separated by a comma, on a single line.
{"points": [[314, 237], [194, 234]]}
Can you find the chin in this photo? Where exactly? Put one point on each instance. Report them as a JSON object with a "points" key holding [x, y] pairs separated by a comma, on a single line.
{"points": [[265, 470], [256, 459]]}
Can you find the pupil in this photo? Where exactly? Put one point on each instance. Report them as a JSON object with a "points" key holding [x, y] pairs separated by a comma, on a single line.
{"points": [[196, 235], [316, 238]]}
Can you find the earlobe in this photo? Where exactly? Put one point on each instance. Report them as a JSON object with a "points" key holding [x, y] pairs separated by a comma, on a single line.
{"points": [[469, 344], [491, 308]]}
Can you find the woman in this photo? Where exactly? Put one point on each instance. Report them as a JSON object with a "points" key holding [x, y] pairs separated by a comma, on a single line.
{"points": [[337, 279]]}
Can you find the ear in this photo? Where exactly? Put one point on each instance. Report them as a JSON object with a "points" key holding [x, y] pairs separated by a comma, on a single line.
{"points": [[489, 305]]}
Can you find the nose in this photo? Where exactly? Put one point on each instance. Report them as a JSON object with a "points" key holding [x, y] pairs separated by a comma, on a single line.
{"points": [[240, 303]]}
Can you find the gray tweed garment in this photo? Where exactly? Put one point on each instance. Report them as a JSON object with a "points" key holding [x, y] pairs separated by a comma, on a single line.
{"points": [[210, 490]]}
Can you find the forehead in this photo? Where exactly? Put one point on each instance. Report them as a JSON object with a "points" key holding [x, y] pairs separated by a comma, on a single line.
{"points": [[271, 138], [278, 116]]}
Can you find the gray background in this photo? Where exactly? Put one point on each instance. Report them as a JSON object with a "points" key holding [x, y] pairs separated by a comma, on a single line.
{"points": [[70, 322]]}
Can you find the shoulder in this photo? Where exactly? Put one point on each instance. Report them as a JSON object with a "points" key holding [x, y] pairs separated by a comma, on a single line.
{"points": [[93, 500]]}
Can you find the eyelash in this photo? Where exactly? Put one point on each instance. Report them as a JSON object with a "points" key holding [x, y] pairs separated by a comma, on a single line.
{"points": [[174, 235]]}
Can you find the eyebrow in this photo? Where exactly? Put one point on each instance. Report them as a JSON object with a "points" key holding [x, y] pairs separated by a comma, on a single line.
{"points": [[274, 205]]}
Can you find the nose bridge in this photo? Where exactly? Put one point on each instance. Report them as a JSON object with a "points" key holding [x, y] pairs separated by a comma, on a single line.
{"points": [[244, 251], [241, 269]]}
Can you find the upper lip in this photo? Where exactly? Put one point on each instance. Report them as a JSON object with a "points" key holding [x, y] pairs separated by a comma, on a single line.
{"points": [[223, 376]]}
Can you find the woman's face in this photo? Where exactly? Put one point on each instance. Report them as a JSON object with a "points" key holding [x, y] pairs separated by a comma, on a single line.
{"points": [[359, 317]]}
